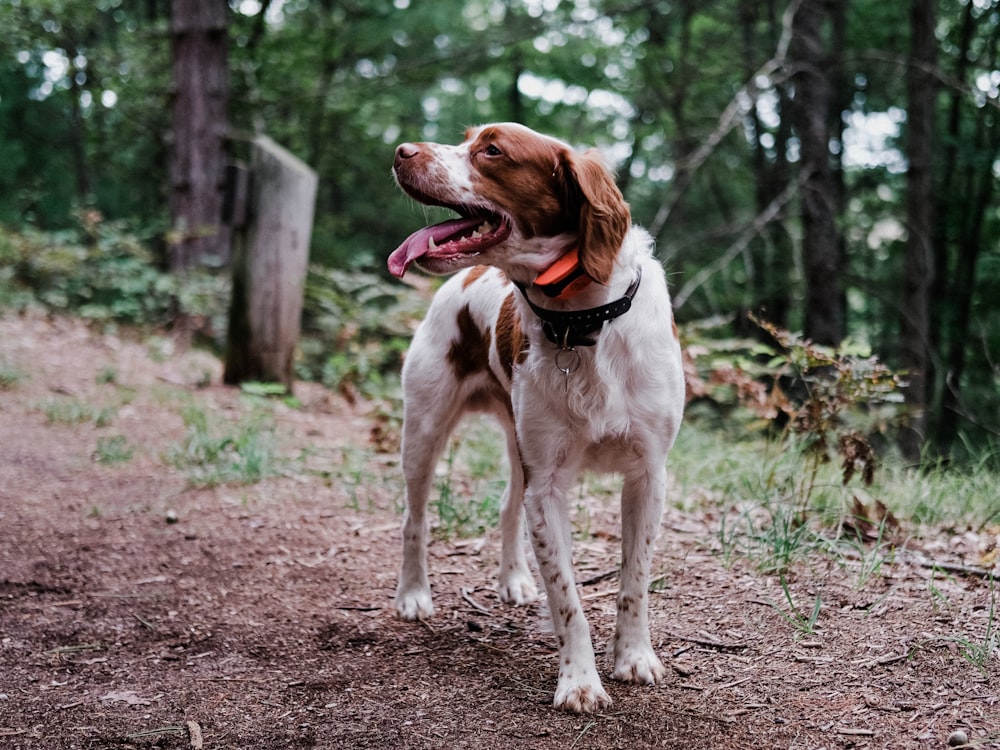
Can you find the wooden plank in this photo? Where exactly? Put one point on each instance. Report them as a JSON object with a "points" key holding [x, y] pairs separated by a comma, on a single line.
{"points": [[269, 267]]}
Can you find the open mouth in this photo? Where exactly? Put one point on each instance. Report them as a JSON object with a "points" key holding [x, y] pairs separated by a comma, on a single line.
{"points": [[452, 240]]}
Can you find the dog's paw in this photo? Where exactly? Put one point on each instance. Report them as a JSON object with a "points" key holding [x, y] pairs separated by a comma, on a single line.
{"points": [[414, 604], [517, 587], [639, 665], [581, 696]]}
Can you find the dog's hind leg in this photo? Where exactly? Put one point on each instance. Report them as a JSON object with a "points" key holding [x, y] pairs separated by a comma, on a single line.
{"points": [[430, 414]]}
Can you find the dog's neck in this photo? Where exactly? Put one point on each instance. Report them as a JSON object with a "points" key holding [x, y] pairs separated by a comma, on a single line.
{"points": [[575, 319]]}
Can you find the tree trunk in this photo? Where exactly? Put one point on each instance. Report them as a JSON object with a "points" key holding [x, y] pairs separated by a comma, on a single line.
{"points": [[969, 212], [918, 262], [821, 251], [269, 268], [947, 201], [200, 82], [772, 252]]}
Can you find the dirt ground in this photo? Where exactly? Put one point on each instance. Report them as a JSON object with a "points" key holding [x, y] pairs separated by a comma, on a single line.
{"points": [[136, 611]]}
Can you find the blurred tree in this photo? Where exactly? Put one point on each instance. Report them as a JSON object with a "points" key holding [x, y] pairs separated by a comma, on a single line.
{"points": [[810, 113], [967, 226], [921, 90], [199, 56]]}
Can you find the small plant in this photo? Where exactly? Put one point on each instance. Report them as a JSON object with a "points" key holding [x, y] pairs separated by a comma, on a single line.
{"points": [[106, 376], [9, 376], [102, 272], [476, 508], [73, 411], [212, 454], [868, 532], [356, 327], [938, 599], [979, 653], [114, 449], [832, 384], [264, 391], [805, 624], [770, 534]]}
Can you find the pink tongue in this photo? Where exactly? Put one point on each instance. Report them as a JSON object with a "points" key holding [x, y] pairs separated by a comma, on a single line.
{"points": [[417, 244]]}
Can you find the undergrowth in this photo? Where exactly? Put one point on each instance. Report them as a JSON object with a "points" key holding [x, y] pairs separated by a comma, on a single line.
{"points": [[791, 443], [216, 451], [355, 326]]}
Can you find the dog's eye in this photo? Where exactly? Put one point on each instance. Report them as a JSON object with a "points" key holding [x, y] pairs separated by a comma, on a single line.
{"points": [[492, 150]]}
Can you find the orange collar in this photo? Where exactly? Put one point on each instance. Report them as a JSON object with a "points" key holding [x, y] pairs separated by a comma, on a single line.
{"points": [[564, 278]]}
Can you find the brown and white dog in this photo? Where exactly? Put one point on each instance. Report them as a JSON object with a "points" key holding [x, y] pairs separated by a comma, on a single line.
{"points": [[562, 328]]}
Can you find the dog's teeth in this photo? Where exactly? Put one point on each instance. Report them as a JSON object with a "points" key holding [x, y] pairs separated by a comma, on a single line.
{"points": [[431, 244], [486, 228]]}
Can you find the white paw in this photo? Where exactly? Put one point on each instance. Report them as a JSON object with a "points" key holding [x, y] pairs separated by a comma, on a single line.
{"points": [[414, 604], [581, 695], [517, 587], [637, 664]]}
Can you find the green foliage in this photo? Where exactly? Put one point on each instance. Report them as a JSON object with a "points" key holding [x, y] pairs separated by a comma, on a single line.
{"points": [[356, 328], [781, 440], [828, 401], [103, 273], [70, 411], [215, 451], [471, 482], [114, 449], [266, 391], [804, 623], [10, 376], [84, 89]]}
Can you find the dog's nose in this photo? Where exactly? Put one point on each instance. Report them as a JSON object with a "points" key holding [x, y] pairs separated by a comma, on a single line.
{"points": [[406, 151]]}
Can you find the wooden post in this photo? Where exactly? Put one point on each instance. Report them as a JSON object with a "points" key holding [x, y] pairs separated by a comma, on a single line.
{"points": [[270, 256]]}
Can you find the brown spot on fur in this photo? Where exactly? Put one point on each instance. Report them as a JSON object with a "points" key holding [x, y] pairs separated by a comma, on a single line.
{"points": [[473, 276], [487, 397], [512, 346], [470, 352]]}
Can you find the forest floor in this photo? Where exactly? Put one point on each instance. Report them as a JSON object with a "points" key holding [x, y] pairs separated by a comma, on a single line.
{"points": [[138, 610]]}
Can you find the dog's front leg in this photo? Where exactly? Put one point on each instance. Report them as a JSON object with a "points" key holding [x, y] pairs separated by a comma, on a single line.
{"points": [[579, 688], [516, 583], [423, 441], [642, 505]]}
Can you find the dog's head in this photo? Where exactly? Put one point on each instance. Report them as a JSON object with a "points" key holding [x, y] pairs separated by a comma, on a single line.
{"points": [[523, 199]]}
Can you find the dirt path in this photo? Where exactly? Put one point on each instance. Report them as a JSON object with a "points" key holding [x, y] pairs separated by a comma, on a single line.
{"points": [[138, 612]]}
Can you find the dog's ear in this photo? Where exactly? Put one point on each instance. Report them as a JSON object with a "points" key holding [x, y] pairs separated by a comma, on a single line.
{"points": [[604, 216]]}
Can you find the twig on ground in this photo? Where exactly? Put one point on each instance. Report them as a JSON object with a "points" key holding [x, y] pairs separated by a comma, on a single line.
{"points": [[467, 596]]}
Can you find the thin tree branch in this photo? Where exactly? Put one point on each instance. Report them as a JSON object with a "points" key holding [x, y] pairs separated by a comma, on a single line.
{"points": [[729, 118], [765, 217]]}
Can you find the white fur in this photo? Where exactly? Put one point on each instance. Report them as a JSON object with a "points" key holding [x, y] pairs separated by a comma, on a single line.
{"points": [[619, 411]]}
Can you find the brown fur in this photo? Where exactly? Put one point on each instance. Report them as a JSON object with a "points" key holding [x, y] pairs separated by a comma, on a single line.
{"points": [[469, 353], [512, 346]]}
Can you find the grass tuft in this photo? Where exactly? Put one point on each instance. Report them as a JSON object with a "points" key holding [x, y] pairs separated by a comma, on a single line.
{"points": [[215, 451]]}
